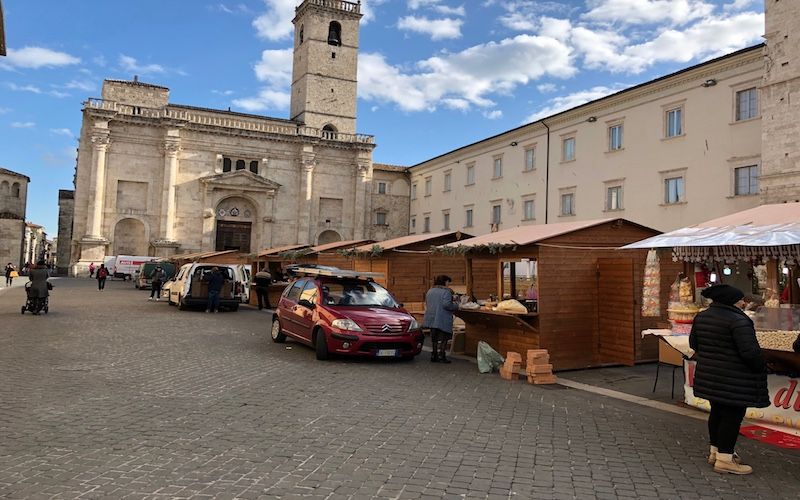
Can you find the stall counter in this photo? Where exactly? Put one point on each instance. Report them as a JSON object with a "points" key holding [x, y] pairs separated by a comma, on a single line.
{"points": [[503, 331]]}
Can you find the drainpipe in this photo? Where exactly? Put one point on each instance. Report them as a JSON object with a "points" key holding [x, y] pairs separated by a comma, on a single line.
{"points": [[547, 176]]}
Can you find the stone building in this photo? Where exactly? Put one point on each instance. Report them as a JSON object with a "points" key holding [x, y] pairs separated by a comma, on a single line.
{"points": [[13, 202], [156, 178], [37, 246], [66, 207]]}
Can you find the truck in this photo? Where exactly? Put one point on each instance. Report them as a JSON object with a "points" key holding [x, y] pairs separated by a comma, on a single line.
{"points": [[125, 266]]}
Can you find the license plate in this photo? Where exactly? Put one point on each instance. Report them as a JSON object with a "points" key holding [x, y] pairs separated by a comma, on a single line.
{"points": [[387, 353]]}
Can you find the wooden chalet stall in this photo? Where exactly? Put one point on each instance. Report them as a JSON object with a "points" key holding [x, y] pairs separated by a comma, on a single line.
{"points": [[582, 294], [217, 256], [409, 266], [332, 254]]}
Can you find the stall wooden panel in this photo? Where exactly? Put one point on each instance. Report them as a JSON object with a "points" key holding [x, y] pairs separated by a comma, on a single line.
{"points": [[484, 276], [454, 266], [335, 260], [373, 266], [616, 311], [408, 277]]}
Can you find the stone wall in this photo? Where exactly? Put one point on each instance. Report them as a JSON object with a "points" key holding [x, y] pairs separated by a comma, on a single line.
{"points": [[12, 234], [135, 93], [394, 203], [66, 208]]}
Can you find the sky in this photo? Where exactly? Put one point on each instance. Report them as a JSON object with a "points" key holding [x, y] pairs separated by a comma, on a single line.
{"points": [[433, 75]]}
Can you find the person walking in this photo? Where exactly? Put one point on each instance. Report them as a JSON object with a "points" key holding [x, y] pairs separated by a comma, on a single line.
{"points": [[10, 273], [91, 270], [439, 307], [263, 280], [39, 288], [157, 279], [215, 281], [102, 274], [731, 372]]}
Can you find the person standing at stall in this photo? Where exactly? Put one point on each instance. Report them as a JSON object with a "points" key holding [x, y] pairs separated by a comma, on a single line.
{"points": [[156, 280], [215, 281], [263, 280], [439, 307], [731, 372]]}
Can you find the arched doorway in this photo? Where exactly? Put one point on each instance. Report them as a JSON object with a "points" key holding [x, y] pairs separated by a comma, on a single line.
{"points": [[130, 238], [328, 236], [234, 224]]}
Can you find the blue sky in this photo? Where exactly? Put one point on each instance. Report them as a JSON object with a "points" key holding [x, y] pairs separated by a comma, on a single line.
{"points": [[434, 75]]}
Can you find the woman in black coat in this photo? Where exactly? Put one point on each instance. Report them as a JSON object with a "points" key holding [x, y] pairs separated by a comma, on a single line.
{"points": [[731, 372]]}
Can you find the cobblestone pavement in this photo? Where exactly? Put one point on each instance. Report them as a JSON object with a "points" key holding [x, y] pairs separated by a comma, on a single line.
{"points": [[112, 396]]}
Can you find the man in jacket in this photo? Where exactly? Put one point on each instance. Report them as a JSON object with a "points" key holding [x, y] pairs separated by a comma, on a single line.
{"points": [[731, 372], [263, 280], [439, 307], [156, 279], [215, 281], [39, 289]]}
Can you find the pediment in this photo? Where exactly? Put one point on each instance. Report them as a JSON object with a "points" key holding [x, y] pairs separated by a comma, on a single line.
{"points": [[240, 180]]}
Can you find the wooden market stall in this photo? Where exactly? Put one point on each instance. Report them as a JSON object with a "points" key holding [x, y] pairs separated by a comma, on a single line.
{"points": [[582, 294], [214, 256], [409, 266]]}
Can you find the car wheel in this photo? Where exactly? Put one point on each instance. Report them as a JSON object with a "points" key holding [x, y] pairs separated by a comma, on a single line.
{"points": [[277, 334], [321, 346], [181, 303]]}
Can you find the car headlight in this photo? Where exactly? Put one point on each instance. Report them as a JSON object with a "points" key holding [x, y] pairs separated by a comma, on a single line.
{"points": [[413, 325], [346, 324]]}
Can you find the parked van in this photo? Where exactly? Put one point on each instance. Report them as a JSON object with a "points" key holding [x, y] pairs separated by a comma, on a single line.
{"points": [[125, 266], [190, 289], [142, 279]]}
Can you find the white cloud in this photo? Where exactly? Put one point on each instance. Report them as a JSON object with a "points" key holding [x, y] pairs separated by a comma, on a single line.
{"points": [[493, 115], [275, 67], [570, 101], [223, 92], [276, 22], [451, 11], [25, 88], [416, 4], [546, 88], [85, 86], [472, 75], [4, 110], [738, 5], [62, 131], [130, 64], [437, 28], [58, 93], [36, 57], [23, 124], [675, 12], [266, 99], [523, 15]]}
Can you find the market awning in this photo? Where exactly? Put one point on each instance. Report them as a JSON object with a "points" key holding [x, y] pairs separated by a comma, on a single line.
{"points": [[412, 239], [278, 250], [526, 235], [745, 236]]}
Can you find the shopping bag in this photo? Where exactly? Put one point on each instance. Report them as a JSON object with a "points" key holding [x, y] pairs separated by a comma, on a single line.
{"points": [[489, 360], [14, 274]]}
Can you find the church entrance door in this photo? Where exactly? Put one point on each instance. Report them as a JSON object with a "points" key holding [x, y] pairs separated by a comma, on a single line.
{"points": [[233, 236]]}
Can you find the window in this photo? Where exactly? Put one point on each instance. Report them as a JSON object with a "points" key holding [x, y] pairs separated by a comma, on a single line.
{"points": [[428, 186], [497, 172], [673, 190], [380, 219], [226, 164], [239, 164], [294, 292], [381, 188], [413, 191], [496, 214], [528, 210], [568, 204], [746, 104], [530, 159], [446, 221], [329, 132], [413, 224], [746, 180], [614, 198], [675, 122], [568, 149], [615, 137], [254, 167], [427, 228], [15, 190], [447, 181], [309, 292], [468, 218], [470, 174], [301, 34]]}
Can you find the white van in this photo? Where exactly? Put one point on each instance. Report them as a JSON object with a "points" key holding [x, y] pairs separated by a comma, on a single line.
{"points": [[125, 266], [188, 288]]}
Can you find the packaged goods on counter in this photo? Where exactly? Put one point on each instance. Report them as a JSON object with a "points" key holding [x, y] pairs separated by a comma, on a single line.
{"points": [[779, 340], [651, 290], [510, 306]]}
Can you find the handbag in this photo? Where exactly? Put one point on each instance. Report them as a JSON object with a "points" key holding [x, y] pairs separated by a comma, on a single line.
{"points": [[14, 274]]}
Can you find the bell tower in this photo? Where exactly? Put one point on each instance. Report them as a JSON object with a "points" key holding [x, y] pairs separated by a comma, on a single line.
{"points": [[325, 65]]}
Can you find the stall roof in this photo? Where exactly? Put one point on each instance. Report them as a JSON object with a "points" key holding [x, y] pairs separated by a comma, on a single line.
{"points": [[338, 244], [201, 255], [526, 235], [745, 236], [765, 215], [406, 240], [278, 250]]}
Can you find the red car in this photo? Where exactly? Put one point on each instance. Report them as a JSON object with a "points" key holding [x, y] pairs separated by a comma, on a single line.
{"points": [[342, 312]]}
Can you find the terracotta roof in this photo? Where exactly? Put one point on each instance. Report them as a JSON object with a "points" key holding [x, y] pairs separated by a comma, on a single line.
{"points": [[15, 174], [389, 168], [277, 250], [136, 83], [526, 235], [765, 215], [406, 240], [337, 245], [31, 224]]}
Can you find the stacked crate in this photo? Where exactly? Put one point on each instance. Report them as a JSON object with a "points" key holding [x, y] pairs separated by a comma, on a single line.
{"points": [[510, 369], [538, 368]]}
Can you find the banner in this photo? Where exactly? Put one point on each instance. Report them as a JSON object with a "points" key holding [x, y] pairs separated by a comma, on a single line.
{"points": [[784, 396]]}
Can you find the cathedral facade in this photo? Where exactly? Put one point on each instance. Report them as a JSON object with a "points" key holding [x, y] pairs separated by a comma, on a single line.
{"points": [[156, 178]]}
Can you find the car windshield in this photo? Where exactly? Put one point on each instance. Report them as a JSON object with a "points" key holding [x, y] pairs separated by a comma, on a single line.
{"points": [[356, 293]]}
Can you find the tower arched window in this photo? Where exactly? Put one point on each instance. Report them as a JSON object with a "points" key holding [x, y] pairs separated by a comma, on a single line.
{"points": [[240, 165], [329, 132], [4, 188], [300, 35], [254, 166], [226, 164], [334, 33], [15, 190]]}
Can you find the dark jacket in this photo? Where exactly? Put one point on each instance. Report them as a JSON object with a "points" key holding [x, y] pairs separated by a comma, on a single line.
{"points": [[439, 307], [263, 279], [157, 276], [730, 367], [38, 277], [215, 281]]}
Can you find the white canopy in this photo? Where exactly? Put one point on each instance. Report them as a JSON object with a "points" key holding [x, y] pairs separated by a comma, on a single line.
{"points": [[747, 236]]}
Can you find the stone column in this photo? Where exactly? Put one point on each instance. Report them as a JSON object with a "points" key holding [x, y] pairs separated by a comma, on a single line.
{"points": [[171, 149], [360, 215], [306, 197], [97, 194]]}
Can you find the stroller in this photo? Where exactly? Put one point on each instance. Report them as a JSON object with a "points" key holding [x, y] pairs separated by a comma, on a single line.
{"points": [[35, 305]]}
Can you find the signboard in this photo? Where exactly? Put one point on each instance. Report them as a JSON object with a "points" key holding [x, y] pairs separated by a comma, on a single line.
{"points": [[784, 396]]}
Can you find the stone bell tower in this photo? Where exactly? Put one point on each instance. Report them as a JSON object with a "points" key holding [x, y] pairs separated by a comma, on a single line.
{"points": [[326, 64]]}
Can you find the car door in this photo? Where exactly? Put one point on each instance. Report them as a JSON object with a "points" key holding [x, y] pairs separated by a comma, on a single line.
{"points": [[288, 308], [306, 315]]}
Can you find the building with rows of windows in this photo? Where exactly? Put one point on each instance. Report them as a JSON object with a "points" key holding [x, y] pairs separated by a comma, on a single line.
{"points": [[710, 140]]}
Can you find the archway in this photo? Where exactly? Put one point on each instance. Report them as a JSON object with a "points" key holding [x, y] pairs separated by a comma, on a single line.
{"points": [[328, 236], [130, 238], [234, 224]]}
